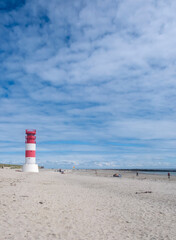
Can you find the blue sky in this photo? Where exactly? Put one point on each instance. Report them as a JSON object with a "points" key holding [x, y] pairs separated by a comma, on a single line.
{"points": [[96, 79]]}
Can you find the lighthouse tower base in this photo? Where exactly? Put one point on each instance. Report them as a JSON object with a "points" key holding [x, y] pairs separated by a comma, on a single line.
{"points": [[30, 168]]}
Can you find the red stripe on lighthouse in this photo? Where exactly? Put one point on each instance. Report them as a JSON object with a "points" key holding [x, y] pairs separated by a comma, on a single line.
{"points": [[30, 153]]}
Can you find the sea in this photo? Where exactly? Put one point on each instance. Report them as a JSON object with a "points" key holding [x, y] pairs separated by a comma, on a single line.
{"points": [[158, 172]]}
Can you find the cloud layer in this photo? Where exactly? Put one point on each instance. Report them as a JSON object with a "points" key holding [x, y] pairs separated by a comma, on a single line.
{"points": [[96, 79]]}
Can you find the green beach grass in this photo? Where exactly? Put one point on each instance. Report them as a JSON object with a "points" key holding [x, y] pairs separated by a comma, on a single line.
{"points": [[12, 166]]}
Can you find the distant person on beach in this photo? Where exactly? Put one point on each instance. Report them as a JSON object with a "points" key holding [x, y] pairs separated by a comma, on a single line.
{"points": [[168, 175], [137, 173]]}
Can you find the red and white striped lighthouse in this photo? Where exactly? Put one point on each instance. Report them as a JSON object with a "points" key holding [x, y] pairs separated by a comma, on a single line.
{"points": [[30, 161]]}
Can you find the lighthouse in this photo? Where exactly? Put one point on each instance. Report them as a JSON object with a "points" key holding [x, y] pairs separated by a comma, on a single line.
{"points": [[30, 161]]}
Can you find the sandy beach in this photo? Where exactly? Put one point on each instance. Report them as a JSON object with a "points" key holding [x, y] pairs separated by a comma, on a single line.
{"points": [[84, 205]]}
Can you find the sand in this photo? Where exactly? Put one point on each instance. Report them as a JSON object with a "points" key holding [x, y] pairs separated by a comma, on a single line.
{"points": [[81, 205]]}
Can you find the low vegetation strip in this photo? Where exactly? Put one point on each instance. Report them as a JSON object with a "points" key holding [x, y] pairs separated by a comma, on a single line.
{"points": [[9, 165]]}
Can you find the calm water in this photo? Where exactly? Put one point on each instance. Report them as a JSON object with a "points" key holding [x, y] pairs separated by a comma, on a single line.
{"points": [[158, 173]]}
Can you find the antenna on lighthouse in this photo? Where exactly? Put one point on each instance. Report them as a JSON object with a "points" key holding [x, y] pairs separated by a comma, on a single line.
{"points": [[30, 160]]}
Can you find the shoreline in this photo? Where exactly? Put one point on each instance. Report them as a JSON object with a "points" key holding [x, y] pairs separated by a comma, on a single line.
{"points": [[126, 174]]}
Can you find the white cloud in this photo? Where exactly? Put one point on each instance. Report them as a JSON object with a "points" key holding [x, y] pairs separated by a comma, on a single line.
{"points": [[97, 72]]}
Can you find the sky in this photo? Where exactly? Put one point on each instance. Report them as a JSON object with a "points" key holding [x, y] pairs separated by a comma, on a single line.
{"points": [[96, 79]]}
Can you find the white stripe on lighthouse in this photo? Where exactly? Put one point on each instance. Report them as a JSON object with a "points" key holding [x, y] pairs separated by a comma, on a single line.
{"points": [[30, 160], [30, 146]]}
